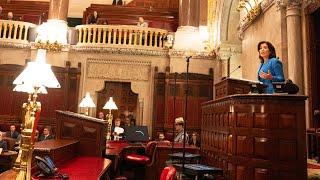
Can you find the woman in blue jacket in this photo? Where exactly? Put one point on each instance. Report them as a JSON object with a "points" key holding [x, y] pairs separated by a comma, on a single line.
{"points": [[270, 68]]}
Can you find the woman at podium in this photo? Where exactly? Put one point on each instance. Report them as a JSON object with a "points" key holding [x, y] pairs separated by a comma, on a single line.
{"points": [[270, 68]]}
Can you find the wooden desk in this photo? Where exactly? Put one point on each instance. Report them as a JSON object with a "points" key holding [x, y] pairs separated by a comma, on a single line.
{"points": [[198, 170], [162, 155], [86, 166], [189, 158], [7, 159], [258, 136], [10, 142], [89, 131], [231, 86], [60, 151]]}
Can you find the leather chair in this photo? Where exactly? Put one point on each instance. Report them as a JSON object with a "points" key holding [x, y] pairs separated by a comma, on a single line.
{"points": [[141, 161], [168, 173]]}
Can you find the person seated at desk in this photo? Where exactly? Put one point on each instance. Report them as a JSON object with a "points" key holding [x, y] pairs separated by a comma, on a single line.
{"points": [[101, 115], [12, 133], [194, 140], [46, 135], [118, 131], [179, 124], [3, 143]]}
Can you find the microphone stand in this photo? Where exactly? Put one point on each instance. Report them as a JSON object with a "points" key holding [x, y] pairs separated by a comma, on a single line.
{"points": [[185, 114], [174, 110]]}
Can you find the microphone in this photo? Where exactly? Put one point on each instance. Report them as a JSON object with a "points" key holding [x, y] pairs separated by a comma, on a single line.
{"points": [[225, 77]]}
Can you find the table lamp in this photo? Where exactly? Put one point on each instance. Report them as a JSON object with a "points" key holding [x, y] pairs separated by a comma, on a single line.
{"points": [[109, 105], [87, 103], [34, 79]]}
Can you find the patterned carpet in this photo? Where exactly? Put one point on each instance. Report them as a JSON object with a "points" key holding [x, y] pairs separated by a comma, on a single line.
{"points": [[313, 170]]}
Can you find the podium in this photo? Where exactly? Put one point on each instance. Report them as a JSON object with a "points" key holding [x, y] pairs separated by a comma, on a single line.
{"points": [[256, 135], [231, 86]]}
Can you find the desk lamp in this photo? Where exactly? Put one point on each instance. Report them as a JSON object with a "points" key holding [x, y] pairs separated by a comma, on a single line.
{"points": [[87, 103], [34, 79], [109, 105]]}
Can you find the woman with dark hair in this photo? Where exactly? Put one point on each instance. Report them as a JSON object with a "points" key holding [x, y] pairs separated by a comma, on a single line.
{"points": [[270, 68]]}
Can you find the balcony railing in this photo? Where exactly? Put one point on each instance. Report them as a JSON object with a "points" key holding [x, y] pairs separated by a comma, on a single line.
{"points": [[121, 36], [14, 31]]}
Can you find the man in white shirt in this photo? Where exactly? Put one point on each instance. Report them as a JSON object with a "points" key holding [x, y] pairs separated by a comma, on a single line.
{"points": [[142, 23]]}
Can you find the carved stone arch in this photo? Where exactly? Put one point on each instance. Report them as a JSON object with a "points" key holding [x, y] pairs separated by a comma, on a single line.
{"points": [[225, 13]]}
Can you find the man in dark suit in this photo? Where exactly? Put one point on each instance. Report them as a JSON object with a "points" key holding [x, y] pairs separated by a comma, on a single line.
{"points": [[12, 133], [46, 135]]}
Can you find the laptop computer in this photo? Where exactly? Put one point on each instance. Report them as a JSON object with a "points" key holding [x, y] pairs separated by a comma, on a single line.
{"points": [[136, 133]]}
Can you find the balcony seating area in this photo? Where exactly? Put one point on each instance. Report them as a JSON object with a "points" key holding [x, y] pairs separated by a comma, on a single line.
{"points": [[115, 15], [29, 11]]}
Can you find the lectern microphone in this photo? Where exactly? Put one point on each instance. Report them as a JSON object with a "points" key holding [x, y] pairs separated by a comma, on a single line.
{"points": [[223, 78]]}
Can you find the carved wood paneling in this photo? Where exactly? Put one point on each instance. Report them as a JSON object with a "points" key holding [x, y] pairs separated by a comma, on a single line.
{"points": [[123, 96], [255, 136], [90, 132], [65, 98], [200, 90]]}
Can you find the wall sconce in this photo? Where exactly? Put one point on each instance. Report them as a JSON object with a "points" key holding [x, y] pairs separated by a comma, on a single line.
{"points": [[87, 103], [109, 105], [34, 79]]}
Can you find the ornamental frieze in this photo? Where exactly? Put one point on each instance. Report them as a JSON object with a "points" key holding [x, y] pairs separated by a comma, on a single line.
{"points": [[118, 69]]}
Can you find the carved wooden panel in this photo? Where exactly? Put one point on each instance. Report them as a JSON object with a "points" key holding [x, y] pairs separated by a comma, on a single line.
{"points": [[123, 96], [64, 98], [255, 136], [90, 132], [167, 107]]}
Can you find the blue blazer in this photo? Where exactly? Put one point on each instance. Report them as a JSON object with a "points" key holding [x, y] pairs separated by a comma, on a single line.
{"points": [[273, 66]]}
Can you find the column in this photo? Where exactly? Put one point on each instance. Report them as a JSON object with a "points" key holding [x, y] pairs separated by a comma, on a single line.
{"points": [[189, 13], [187, 36], [294, 36], [58, 9]]}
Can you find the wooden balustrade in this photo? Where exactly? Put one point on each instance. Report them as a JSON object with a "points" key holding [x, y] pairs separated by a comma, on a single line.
{"points": [[121, 35], [14, 31]]}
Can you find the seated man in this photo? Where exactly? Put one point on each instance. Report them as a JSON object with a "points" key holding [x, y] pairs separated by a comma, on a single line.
{"points": [[142, 23], [179, 123], [3, 143], [117, 130], [101, 115], [12, 133], [46, 135]]}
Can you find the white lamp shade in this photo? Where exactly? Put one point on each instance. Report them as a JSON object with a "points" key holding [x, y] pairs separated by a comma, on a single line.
{"points": [[87, 101], [110, 104], [38, 73], [29, 89]]}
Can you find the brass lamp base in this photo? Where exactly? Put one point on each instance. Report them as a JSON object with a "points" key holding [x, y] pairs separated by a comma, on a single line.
{"points": [[109, 118], [29, 124]]}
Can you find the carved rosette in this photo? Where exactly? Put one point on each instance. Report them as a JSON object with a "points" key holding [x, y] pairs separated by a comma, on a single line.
{"points": [[118, 69]]}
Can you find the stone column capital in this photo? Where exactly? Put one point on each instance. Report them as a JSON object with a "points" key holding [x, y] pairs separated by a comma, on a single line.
{"points": [[289, 3]]}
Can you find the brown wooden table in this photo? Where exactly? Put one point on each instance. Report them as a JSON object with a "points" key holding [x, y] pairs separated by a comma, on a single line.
{"points": [[60, 150], [7, 159]]}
